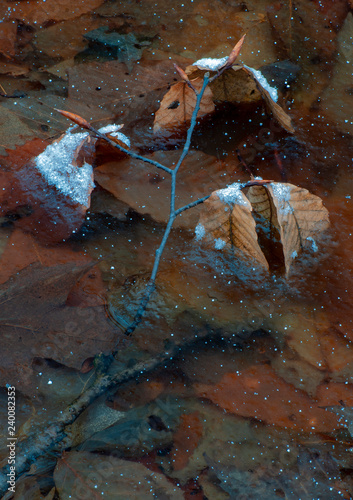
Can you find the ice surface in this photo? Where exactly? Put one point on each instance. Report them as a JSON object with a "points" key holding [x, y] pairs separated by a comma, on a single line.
{"points": [[263, 82], [114, 131], [219, 243], [313, 244], [56, 166], [233, 194], [210, 64], [199, 232]]}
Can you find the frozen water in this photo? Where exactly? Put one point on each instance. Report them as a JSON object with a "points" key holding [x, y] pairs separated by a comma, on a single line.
{"points": [[233, 194], [56, 166], [263, 82], [313, 244], [219, 243], [210, 64], [113, 130], [283, 194], [199, 232]]}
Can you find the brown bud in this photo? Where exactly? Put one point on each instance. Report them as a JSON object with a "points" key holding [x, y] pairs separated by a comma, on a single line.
{"points": [[75, 118]]}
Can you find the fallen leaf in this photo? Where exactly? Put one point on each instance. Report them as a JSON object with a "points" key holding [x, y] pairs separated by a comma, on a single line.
{"points": [[148, 191], [38, 13], [88, 291], [79, 474], [126, 48], [53, 187], [8, 36], [186, 439], [233, 85], [178, 105], [226, 223], [259, 393], [301, 216], [241, 83]]}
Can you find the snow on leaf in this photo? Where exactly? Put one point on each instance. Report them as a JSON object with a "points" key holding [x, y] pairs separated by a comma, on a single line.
{"points": [[270, 96], [178, 105], [210, 64], [259, 77], [302, 218], [58, 166], [113, 130], [229, 226], [298, 216]]}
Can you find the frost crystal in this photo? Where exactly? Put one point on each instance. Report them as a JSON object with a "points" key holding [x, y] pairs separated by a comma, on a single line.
{"points": [[219, 243], [263, 82], [210, 64], [113, 130], [232, 194], [56, 166], [313, 244], [283, 194], [199, 232]]}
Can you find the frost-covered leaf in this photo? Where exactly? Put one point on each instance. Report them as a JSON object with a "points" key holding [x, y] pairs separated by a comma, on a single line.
{"points": [[233, 85], [226, 223], [178, 105], [301, 216], [55, 185], [270, 95], [241, 83]]}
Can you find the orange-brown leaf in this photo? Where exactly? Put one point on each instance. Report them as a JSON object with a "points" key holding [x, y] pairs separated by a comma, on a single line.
{"points": [[178, 105]]}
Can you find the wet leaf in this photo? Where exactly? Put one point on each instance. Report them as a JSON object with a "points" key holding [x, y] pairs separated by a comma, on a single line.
{"points": [[226, 221], [8, 35], [148, 191], [260, 393], [83, 475], [178, 105], [37, 13], [52, 188], [126, 48]]}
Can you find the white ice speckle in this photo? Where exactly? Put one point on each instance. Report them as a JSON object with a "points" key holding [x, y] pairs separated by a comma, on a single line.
{"points": [[219, 243], [283, 194], [113, 130], [313, 244], [56, 166], [294, 254], [233, 194], [199, 231], [210, 64], [263, 82]]}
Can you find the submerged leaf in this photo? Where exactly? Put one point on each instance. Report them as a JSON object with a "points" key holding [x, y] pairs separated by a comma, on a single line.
{"points": [[179, 103]]}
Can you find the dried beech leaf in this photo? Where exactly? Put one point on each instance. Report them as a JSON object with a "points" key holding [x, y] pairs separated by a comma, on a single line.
{"points": [[262, 204], [226, 223], [179, 103], [301, 217], [281, 116], [232, 86], [269, 95]]}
